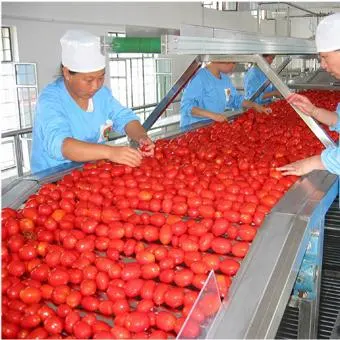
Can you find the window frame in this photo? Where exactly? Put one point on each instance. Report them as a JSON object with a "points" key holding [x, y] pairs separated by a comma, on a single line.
{"points": [[10, 44]]}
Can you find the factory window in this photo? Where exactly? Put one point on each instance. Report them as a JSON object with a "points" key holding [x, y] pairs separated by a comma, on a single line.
{"points": [[221, 5], [139, 80], [6, 45], [18, 94]]}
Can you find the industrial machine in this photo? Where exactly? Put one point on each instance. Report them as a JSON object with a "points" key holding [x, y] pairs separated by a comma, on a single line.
{"points": [[284, 264]]}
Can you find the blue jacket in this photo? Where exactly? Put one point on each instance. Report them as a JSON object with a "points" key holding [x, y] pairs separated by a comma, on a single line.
{"points": [[58, 116], [331, 156], [253, 79], [208, 92]]}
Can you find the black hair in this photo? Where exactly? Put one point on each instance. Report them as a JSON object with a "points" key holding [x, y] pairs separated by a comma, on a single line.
{"points": [[267, 55], [61, 70]]}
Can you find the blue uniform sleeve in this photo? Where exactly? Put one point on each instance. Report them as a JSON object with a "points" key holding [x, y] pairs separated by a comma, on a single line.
{"points": [[54, 128], [235, 99], [336, 127], [192, 96], [119, 114], [331, 159], [253, 79]]}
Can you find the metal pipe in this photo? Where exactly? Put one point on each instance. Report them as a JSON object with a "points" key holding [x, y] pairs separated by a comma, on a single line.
{"points": [[135, 45], [16, 132], [295, 6], [18, 155]]}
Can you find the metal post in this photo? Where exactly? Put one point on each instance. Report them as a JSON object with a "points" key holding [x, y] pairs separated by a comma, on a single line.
{"points": [[18, 155], [172, 93]]}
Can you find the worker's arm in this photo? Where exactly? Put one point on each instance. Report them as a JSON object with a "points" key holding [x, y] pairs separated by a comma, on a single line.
{"points": [[257, 107], [136, 132], [78, 151], [324, 116], [271, 94], [198, 112]]}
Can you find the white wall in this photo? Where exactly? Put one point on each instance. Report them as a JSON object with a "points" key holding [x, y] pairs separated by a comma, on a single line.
{"points": [[40, 25]]}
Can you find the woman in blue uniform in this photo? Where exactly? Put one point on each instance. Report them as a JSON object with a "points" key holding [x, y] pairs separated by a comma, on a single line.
{"points": [[209, 93], [75, 113], [253, 80], [328, 45]]}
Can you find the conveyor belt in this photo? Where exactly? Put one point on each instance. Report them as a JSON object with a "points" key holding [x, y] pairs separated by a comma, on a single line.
{"points": [[330, 284]]}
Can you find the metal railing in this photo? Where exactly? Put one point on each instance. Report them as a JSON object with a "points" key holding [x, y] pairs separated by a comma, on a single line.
{"points": [[17, 134]]}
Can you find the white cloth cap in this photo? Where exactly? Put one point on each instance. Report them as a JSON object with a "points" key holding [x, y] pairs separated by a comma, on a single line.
{"points": [[80, 52], [327, 34]]}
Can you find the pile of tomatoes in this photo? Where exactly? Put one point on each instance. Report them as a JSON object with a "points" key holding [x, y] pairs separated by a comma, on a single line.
{"points": [[112, 252]]}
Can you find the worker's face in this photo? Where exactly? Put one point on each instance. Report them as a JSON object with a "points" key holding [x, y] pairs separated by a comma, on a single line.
{"points": [[270, 59], [84, 85], [226, 67], [330, 61]]}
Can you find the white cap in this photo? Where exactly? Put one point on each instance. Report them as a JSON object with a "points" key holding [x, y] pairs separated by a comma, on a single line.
{"points": [[327, 34], [80, 52]]}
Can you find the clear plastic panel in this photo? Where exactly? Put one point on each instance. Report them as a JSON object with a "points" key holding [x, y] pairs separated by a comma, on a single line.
{"points": [[203, 313]]}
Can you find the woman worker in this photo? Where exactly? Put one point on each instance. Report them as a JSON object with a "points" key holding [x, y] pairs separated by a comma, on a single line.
{"points": [[75, 113], [253, 80], [209, 93], [328, 45]]}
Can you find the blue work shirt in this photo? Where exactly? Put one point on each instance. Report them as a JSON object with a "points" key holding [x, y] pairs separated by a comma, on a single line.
{"points": [[252, 81], [58, 116], [209, 93], [331, 156]]}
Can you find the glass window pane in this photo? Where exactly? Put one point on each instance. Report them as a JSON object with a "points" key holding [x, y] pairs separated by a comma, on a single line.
{"points": [[25, 74], [7, 154]]}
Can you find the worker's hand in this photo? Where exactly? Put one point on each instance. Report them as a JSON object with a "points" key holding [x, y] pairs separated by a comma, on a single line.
{"points": [[263, 109], [146, 147], [302, 167], [302, 103], [125, 155], [219, 118]]}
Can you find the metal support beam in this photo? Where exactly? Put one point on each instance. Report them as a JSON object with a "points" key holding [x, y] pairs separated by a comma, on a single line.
{"points": [[266, 83], [172, 94]]}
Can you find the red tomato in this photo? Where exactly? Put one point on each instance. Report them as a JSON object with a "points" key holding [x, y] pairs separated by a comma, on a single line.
{"points": [[165, 321], [221, 245], [137, 322], [246, 232], [229, 267], [240, 249]]}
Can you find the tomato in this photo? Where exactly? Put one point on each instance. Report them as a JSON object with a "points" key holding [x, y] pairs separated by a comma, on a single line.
{"points": [[191, 330], [183, 277], [165, 321], [212, 261], [220, 227], [246, 232], [240, 249], [158, 293], [133, 287], [82, 330], [269, 200], [174, 297], [53, 325], [221, 245], [229, 267], [120, 306], [148, 289], [210, 304], [30, 295], [137, 322]]}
